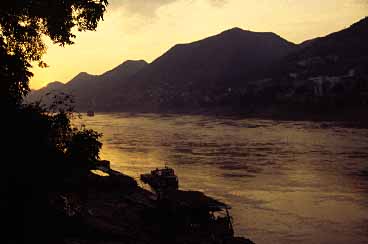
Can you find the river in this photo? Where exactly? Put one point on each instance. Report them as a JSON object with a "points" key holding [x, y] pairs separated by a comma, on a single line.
{"points": [[287, 182]]}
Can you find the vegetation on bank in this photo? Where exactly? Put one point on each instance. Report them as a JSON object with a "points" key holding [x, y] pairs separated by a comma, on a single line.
{"points": [[41, 149], [48, 193]]}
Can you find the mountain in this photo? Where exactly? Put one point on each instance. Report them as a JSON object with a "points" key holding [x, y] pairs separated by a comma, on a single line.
{"points": [[325, 74], [334, 54], [103, 87], [225, 57], [124, 70], [88, 88], [81, 80], [237, 69], [54, 85], [192, 74], [41, 94]]}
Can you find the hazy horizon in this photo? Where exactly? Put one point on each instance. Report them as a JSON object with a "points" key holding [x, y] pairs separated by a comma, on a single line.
{"points": [[135, 30]]}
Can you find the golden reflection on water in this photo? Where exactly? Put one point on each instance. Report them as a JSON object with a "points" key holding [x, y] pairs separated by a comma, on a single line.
{"points": [[286, 181]]}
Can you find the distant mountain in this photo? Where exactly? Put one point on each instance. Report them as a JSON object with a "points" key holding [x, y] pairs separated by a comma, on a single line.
{"points": [[328, 74], [228, 56], [86, 88], [54, 85], [333, 54], [192, 74], [236, 69], [124, 70], [38, 95], [82, 80], [101, 90]]}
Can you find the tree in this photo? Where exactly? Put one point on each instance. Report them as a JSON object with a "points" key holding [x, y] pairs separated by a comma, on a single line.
{"points": [[37, 144], [23, 23]]}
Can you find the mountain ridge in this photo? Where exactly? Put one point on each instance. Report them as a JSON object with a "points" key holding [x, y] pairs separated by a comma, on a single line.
{"points": [[236, 68], [76, 86]]}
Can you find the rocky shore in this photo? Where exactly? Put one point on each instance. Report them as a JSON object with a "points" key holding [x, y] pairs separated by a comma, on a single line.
{"points": [[114, 209]]}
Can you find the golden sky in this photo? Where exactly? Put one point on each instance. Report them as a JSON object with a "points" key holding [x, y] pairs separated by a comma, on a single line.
{"points": [[145, 29]]}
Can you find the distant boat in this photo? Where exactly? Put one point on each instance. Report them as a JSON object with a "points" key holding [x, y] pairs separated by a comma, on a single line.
{"points": [[161, 179], [90, 113]]}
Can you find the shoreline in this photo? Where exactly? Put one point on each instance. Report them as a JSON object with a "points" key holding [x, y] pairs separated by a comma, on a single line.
{"points": [[115, 209], [348, 118]]}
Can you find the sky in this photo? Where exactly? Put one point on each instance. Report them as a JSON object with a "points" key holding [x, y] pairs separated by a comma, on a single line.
{"points": [[145, 29]]}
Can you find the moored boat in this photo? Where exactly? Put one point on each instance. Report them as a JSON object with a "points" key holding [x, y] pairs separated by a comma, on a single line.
{"points": [[90, 113], [161, 179]]}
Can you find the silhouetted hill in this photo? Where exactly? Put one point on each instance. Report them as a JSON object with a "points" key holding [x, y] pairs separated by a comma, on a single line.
{"points": [[54, 85], [326, 74], [192, 74], [88, 88], [225, 57], [347, 43], [40, 94], [125, 69], [237, 69], [81, 80], [333, 54]]}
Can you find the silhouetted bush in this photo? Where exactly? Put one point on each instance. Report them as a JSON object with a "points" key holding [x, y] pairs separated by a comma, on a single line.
{"points": [[36, 142], [84, 147]]}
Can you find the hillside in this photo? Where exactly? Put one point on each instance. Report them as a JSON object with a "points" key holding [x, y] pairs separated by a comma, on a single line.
{"points": [[189, 75], [334, 54], [329, 73], [86, 88], [239, 70]]}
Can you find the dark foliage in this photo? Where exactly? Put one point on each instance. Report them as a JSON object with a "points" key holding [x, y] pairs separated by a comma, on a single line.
{"points": [[84, 146], [22, 25], [37, 143]]}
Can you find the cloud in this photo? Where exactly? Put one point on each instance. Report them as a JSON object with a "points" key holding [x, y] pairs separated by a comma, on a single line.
{"points": [[148, 8]]}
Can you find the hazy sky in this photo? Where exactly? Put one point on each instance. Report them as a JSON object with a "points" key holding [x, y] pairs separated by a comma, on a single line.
{"points": [[145, 29]]}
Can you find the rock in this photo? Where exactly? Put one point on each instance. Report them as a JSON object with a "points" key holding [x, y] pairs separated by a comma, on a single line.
{"points": [[118, 211]]}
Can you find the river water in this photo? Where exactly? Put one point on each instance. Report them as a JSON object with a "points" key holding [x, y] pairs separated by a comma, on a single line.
{"points": [[287, 182]]}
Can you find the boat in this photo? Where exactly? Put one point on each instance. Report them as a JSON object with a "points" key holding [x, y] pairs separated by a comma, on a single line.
{"points": [[161, 179], [200, 212], [90, 113], [192, 209]]}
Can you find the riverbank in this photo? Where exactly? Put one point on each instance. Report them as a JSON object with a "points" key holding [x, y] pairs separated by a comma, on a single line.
{"points": [[349, 117], [114, 209]]}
